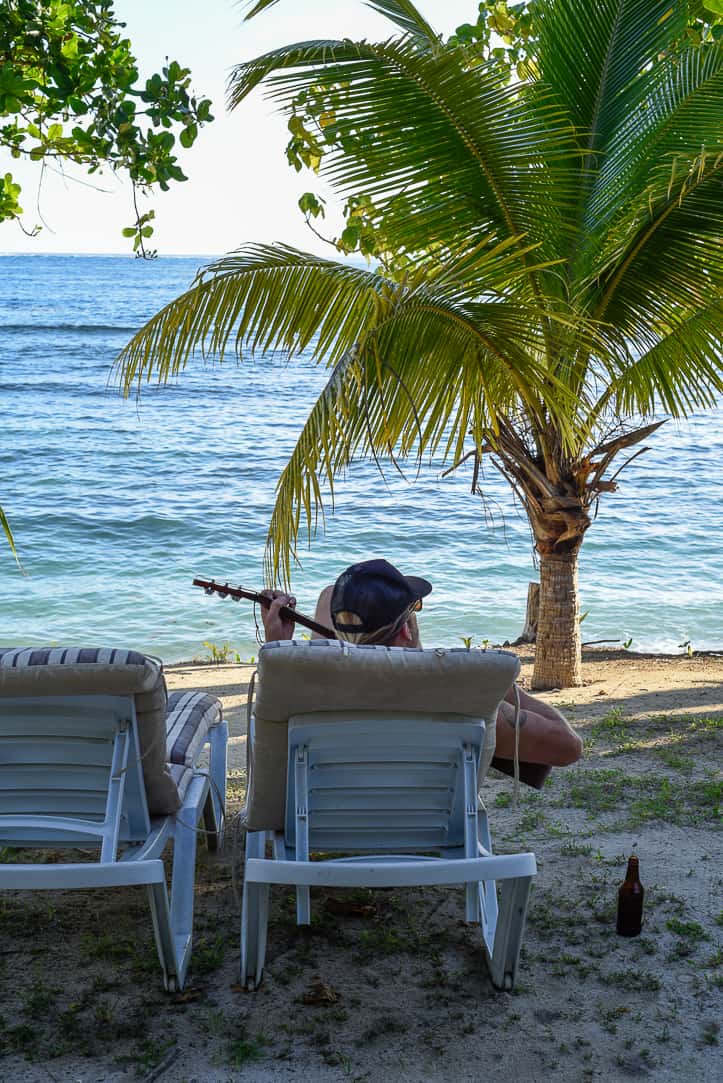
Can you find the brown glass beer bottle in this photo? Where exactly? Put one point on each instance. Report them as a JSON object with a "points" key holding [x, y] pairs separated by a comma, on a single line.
{"points": [[630, 901]]}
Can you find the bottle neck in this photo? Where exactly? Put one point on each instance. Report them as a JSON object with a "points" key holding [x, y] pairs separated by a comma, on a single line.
{"points": [[633, 874]]}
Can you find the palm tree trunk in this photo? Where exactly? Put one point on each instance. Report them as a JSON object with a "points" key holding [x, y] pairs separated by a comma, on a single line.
{"points": [[557, 651], [555, 497]]}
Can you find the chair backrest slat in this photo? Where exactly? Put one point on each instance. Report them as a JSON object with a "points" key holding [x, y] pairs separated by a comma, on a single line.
{"points": [[390, 782], [55, 761], [67, 680]]}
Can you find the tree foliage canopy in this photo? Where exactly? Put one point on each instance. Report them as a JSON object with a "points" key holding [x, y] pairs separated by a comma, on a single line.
{"points": [[551, 264], [70, 91]]}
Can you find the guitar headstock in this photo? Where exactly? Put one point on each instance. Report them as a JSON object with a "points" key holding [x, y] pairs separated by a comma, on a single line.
{"points": [[224, 590]]}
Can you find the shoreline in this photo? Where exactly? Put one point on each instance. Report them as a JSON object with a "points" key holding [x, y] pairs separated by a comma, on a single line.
{"points": [[525, 652]]}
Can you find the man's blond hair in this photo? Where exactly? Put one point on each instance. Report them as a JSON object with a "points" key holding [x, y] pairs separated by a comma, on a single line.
{"points": [[380, 636]]}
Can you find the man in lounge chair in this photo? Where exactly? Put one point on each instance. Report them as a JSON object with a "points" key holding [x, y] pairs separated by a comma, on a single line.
{"points": [[373, 603]]}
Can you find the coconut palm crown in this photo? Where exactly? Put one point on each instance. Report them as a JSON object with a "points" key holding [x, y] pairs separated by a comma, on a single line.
{"points": [[553, 249]]}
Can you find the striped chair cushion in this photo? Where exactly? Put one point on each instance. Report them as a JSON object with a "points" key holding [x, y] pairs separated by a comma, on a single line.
{"points": [[181, 776], [63, 671], [190, 716], [22, 657]]}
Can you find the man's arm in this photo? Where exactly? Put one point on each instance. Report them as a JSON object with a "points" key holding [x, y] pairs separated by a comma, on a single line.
{"points": [[545, 734]]}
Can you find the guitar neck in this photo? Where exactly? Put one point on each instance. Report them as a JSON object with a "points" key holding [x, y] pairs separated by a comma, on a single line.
{"points": [[225, 591]]}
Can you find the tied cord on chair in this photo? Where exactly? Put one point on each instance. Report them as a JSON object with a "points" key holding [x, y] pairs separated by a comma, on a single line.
{"points": [[240, 818], [516, 784]]}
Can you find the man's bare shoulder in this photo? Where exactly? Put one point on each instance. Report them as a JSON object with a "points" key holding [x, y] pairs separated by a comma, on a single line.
{"points": [[323, 609]]}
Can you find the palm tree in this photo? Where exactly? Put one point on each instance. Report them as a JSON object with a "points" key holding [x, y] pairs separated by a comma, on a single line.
{"points": [[560, 245]]}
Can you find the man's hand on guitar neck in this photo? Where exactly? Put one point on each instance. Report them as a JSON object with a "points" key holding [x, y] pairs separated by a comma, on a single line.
{"points": [[277, 626]]}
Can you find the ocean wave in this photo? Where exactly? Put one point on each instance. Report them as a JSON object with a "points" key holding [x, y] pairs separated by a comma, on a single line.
{"points": [[72, 328]]}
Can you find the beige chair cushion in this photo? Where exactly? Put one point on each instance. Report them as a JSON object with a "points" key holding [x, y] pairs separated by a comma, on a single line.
{"points": [[326, 675], [60, 671]]}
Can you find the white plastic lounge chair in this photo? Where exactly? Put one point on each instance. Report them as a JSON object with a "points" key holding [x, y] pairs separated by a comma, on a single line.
{"points": [[94, 754], [378, 752]]}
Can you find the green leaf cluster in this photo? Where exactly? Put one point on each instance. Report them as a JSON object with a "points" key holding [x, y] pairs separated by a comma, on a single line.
{"points": [[70, 89]]}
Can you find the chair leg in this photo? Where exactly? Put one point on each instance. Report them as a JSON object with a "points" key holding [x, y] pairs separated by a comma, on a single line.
{"points": [[173, 925], [161, 914], [254, 925], [514, 897], [182, 894], [254, 917]]}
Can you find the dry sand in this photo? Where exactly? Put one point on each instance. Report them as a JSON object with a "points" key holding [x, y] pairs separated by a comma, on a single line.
{"points": [[392, 986]]}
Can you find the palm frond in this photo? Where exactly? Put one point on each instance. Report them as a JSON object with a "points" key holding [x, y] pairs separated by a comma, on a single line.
{"points": [[407, 18], [261, 298], [246, 77], [678, 371], [593, 54], [676, 113], [664, 254], [677, 116], [427, 374], [9, 537], [257, 6], [445, 152]]}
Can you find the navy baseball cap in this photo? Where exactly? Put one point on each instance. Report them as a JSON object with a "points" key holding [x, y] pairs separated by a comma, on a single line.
{"points": [[377, 593]]}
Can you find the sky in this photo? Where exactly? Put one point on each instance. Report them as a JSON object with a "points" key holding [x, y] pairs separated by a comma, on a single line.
{"points": [[239, 186]]}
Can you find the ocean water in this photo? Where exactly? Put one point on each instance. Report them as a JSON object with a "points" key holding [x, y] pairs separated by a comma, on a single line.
{"points": [[117, 504]]}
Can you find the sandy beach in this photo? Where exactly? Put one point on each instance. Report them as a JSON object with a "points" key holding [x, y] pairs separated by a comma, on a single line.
{"points": [[392, 985]]}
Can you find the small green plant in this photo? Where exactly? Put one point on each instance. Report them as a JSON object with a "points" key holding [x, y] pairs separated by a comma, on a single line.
{"points": [[626, 644], [716, 959], [686, 646], [149, 1053], [690, 929], [570, 848], [221, 654], [39, 1000], [467, 640], [614, 726], [709, 1033], [208, 955], [532, 819], [242, 1050], [675, 761], [107, 946], [634, 981]]}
